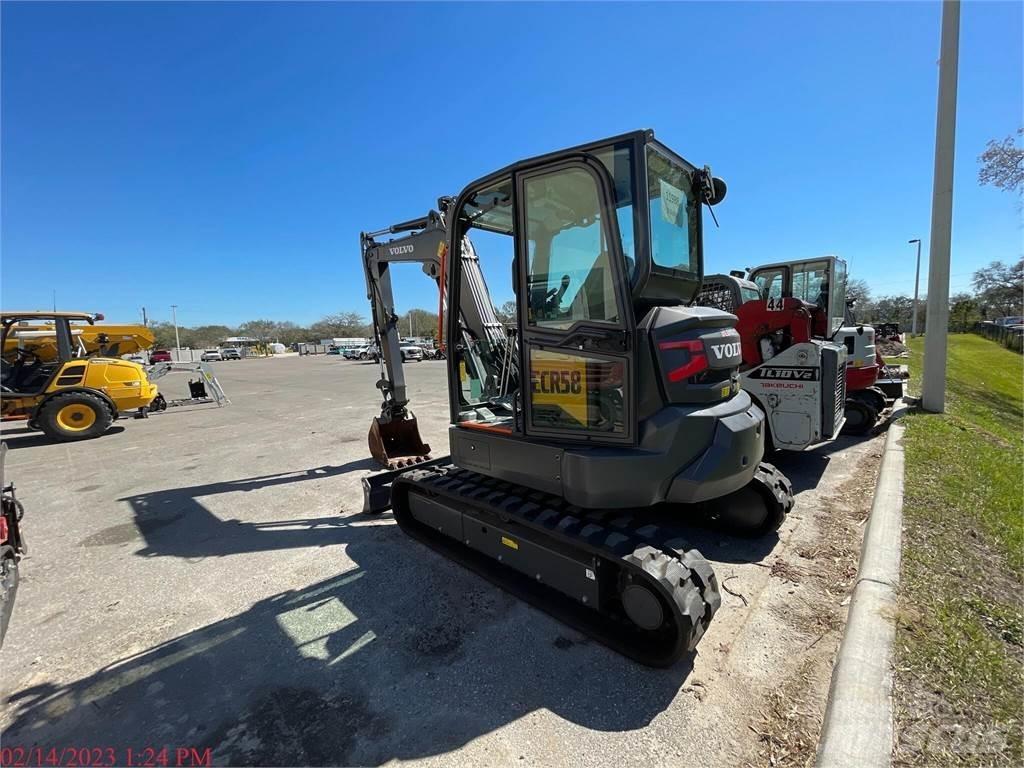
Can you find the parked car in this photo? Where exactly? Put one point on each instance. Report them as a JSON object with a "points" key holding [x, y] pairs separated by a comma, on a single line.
{"points": [[141, 359], [369, 352], [231, 353], [211, 355], [159, 356], [411, 352], [351, 353]]}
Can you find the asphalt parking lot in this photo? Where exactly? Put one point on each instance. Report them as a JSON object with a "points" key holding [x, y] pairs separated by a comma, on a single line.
{"points": [[205, 578]]}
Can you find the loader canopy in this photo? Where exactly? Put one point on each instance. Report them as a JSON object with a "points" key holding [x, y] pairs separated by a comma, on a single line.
{"points": [[820, 281]]}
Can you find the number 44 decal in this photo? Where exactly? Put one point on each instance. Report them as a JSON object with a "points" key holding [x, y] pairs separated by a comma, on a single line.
{"points": [[775, 305]]}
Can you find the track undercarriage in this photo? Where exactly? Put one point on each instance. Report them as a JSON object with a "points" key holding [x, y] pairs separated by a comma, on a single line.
{"points": [[623, 577]]}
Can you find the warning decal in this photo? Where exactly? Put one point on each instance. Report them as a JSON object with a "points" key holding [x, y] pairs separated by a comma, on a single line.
{"points": [[559, 380]]}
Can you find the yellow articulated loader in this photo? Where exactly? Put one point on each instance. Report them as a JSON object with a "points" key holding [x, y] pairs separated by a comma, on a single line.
{"points": [[67, 380]]}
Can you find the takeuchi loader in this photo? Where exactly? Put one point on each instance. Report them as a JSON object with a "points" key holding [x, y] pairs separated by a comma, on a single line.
{"points": [[608, 414], [798, 381], [820, 282], [57, 378]]}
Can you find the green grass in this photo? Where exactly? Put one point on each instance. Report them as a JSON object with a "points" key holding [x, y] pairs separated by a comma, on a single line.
{"points": [[960, 634]]}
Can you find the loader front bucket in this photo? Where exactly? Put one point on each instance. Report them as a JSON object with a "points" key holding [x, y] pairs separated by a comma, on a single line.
{"points": [[397, 443]]}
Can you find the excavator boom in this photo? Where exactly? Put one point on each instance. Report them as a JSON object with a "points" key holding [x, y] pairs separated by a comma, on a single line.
{"points": [[394, 437]]}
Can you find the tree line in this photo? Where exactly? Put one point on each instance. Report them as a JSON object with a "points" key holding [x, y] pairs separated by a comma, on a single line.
{"points": [[415, 322], [998, 291]]}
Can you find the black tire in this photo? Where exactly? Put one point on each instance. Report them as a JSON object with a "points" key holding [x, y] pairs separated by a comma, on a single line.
{"points": [[757, 509], [860, 417], [745, 513], [873, 397], [60, 414]]}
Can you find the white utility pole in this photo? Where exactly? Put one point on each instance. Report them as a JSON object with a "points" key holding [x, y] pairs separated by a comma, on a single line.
{"points": [[917, 281], [174, 317], [933, 382]]}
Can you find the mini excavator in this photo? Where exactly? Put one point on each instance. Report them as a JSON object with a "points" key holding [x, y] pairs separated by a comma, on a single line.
{"points": [[607, 415]]}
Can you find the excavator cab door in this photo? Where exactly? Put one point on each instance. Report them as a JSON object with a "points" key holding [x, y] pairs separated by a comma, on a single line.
{"points": [[575, 317]]}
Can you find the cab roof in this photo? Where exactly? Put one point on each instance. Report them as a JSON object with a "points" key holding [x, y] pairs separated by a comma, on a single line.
{"points": [[37, 314]]}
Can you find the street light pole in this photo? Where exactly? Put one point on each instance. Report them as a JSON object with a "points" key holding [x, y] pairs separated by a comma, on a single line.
{"points": [[917, 280], [933, 379], [174, 317]]}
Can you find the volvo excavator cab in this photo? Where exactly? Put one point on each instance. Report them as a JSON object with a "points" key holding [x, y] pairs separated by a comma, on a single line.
{"points": [[607, 398]]}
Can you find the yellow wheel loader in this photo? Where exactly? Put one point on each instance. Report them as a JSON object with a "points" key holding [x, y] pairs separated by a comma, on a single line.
{"points": [[55, 377]]}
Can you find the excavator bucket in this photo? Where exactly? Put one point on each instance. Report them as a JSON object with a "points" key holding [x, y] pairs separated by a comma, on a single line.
{"points": [[397, 443]]}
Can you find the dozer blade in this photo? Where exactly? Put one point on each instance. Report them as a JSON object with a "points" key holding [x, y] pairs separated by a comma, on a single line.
{"points": [[397, 443]]}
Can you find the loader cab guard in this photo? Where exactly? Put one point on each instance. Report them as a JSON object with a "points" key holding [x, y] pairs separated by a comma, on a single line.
{"points": [[25, 371], [820, 281]]}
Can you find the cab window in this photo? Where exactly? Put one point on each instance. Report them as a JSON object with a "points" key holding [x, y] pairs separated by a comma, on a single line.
{"points": [[570, 277], [770, 283], [673, 214], [810, 283]]}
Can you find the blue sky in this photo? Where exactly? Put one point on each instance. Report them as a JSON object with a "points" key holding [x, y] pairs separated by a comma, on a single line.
{"points": [[224, 157]]}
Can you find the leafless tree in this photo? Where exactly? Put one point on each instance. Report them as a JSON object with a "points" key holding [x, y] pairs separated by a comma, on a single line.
{"points": [[1002, 164]]}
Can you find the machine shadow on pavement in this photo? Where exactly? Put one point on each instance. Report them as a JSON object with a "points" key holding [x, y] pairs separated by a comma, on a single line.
{"points": [[805, 469], [30, 438], [402, 655]]}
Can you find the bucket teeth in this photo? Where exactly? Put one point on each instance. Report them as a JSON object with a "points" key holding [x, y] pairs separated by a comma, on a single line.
{"points": [[397, 444]]}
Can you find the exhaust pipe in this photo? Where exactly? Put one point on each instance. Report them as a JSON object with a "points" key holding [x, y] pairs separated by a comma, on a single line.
{"points": [[396, 443]]}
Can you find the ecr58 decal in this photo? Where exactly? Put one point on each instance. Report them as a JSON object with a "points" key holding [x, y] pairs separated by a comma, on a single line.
{"points": [[559, 380]]}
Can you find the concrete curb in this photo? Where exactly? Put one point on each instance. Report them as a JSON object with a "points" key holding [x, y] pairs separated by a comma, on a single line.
{"points": [[858, 727]]}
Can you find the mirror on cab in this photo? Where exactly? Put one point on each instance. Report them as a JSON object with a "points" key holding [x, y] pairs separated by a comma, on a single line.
{"points": [[718, 187], [712, 188]]}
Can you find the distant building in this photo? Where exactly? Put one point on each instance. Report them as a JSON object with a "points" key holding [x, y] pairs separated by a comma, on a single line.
{"points": [[344, 342], [241, 341]]}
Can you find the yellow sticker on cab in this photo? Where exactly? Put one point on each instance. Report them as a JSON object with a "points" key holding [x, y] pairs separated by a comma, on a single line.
{"points": [[560, 380]]}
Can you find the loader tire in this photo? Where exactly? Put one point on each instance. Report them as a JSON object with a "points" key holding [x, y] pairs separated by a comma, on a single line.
{"points": [[860, 417], [74, 416], [872, 396]]}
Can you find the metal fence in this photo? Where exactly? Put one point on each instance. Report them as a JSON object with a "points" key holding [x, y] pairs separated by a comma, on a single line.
{"points": [[1011, 338]]}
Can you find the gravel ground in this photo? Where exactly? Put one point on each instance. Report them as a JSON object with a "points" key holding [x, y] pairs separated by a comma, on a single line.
{"points": [[204, 579]]}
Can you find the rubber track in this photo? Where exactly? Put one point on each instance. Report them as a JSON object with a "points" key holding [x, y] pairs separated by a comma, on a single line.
{"points": [[777, 491], [652, 554]]}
